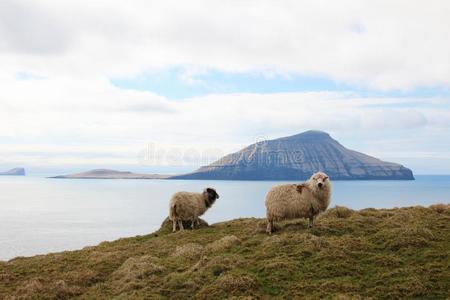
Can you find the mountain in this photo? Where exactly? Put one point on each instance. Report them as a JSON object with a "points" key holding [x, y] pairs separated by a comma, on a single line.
{"points": [[110, 174], [14, 172], [296, 158]]}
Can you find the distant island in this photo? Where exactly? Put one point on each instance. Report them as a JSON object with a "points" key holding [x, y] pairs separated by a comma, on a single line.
{"points": [[296, 158], [110, 174], [288, 158], [14, 172]]}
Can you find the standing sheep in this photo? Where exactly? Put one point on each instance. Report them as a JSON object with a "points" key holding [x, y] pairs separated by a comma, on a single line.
{"points": [[186, 206], [305, 200]]}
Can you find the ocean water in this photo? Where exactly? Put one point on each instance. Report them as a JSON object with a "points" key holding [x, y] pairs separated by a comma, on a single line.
{"points": [[40, 215]]}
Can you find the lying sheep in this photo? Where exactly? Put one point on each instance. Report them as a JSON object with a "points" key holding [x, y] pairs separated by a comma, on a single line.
{"points": [[185, 206], [305, 200]]}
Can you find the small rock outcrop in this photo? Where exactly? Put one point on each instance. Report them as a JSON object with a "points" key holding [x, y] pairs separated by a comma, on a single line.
{"points": [[167, 224]]}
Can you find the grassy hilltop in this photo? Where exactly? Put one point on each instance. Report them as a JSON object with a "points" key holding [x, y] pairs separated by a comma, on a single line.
{"points": [[379, 254]]}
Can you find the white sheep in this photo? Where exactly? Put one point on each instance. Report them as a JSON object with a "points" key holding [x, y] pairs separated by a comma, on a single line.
{"points": [[186, 206], [305, 200]]}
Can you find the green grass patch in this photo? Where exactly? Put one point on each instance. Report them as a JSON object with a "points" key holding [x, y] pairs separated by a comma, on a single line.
{"points": [[369, 254]]}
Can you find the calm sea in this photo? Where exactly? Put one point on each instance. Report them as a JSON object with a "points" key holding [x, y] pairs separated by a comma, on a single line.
{"points": [[39, 215]]}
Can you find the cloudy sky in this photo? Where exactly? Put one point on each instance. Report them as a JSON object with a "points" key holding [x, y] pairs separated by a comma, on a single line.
{"points": [[104, 83]]}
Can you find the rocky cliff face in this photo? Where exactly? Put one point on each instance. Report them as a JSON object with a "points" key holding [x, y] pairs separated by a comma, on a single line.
{"points": [[296, 158], [14, 172]]}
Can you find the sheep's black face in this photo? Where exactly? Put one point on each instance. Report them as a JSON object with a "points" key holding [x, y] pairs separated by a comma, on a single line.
{"points": [[212, 193], [211, 196]]}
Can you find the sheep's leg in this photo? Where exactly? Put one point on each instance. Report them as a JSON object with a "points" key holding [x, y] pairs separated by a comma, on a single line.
{"points": [[193, 222], [180, 224], [198, 222], [174, 225], [269, 229], [311, 221]]}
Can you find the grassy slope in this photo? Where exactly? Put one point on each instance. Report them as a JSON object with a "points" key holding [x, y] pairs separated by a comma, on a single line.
{"points": [[395, 253]]}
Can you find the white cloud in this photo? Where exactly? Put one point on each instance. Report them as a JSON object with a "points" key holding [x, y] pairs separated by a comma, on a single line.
{"points": [[89, 121], [70, 49], [381, 44]]}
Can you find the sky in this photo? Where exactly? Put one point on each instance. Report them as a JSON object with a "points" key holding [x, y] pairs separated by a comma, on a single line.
{"points": [[168, 86]]}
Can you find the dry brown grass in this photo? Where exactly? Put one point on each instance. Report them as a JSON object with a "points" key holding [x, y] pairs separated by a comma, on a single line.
{"points": [[348, 297], [35, 289], [135, 269], [302, 243], [64, 291], [380, 254], [313, 242], [221, 264], [231, 283], [32, 287], [82, 277], [337, 212], [223, 244], [227, 285], [6, 276], [405, 236], [98, 257], [189, 251], [440, 207]]}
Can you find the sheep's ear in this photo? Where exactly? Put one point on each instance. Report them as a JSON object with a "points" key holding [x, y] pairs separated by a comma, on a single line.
{"points": [[325, 178], [299, 188]]}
